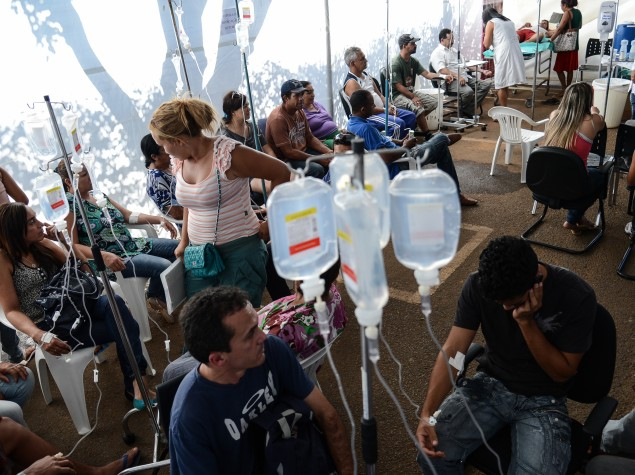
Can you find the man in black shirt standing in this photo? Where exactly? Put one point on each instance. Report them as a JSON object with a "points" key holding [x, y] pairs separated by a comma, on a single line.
{"points": [[537, 321]]}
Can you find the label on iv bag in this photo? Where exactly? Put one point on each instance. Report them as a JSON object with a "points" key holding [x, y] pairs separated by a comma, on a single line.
{"points": [[76, 143], [347, 257], [302, 231], [425, 224], [55, 197]]}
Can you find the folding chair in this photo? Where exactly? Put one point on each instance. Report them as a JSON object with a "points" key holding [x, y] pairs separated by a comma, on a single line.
{"points": [[591, 385], [594, 49]]}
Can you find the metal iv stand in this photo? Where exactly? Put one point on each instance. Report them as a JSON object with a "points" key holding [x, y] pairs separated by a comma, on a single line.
{"points": [[101, 269]]}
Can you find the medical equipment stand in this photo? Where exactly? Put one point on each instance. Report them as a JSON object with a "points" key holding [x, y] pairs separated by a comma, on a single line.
{"points": [[178, 43], [369, 424], [101, 268]]}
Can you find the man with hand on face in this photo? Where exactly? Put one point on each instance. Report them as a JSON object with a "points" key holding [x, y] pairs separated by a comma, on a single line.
{"points": [[288, 132], [537, 321], [445, 60], [241, 373]]}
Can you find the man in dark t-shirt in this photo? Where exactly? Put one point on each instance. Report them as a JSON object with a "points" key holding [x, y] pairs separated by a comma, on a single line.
{"points": [[537, 321]]}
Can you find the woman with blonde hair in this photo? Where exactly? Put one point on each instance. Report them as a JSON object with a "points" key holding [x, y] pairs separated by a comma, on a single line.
{"points": [[574, 125], [212, 185]]}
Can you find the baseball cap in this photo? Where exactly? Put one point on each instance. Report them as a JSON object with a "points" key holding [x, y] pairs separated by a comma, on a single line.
{"points": [[407, 38], [292, 85]]}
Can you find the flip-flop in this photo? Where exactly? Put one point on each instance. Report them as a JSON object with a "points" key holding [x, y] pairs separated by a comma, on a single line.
{"points": [[551, 102], [128, 462]]}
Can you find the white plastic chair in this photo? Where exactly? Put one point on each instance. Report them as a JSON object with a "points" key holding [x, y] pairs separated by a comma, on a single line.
{"points": [[511, 132], [311, 364]]}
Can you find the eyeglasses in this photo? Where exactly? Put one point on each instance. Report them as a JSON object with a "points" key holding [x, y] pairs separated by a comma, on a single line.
{"points": [[310, 91], [361, 60]]}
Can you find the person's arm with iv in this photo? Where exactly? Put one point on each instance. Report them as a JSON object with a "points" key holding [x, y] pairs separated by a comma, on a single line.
{"points": [[13, 189], [11, 305], [142, 218], [559, 365], [439, 387]]}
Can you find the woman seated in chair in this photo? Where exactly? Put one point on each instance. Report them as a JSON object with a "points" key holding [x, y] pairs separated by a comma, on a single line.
{"points": [[573, 126], [28, 262], [296, 322], [320, 121], [133, 257], [160, 184]]}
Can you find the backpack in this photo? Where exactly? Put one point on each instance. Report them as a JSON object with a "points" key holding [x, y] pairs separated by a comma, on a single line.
{"points": [[293, 443]]}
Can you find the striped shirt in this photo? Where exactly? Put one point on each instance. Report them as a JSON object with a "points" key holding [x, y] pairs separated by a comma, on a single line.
{"points": [[237, 218]]}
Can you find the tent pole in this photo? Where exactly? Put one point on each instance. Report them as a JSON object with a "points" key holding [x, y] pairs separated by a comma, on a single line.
{"points": [[536, 57], [178, 44], [329, 63], [610, 68]]}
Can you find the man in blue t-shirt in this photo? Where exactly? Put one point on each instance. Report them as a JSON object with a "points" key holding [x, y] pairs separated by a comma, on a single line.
{"points": [[362, 106], [241, 373]]}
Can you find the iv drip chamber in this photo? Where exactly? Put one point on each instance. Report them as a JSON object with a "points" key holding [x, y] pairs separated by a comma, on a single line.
{"points": [[39, 132], [376, 181], [50, 192], [362, 262], [425, 215], [302, 228]]}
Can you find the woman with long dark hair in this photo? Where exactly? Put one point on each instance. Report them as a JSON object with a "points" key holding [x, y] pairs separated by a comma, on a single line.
{"points": [[28, 262]]}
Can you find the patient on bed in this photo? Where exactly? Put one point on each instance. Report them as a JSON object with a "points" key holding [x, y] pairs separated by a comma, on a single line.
{"points": [[527, 33]]}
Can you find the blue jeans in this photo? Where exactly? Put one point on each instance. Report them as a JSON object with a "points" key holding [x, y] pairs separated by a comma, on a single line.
{"points": [[151, 264], [17, 391], [11, 344], [404, 120], [540, 428], [596, 182], [439, 154], [632, 105]]}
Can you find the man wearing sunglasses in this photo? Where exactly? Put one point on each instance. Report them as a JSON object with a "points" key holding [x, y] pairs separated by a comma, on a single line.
{"points": [[537, 320]]}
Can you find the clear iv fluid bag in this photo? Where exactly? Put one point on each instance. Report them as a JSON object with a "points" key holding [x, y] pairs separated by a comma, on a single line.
{"points": [[70, 121], [246, 11], [376, 181], [302, 228], [358, 236], [425, 214], [52, 197], [39, 132]]}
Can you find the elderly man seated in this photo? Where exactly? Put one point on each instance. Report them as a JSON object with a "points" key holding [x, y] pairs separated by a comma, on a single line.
{"points": [[437, 146], [400, 120]]}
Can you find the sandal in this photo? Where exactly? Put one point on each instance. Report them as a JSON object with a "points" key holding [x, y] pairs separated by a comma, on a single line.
{"points": [[160, 309], [551, 102], [128, 461]]}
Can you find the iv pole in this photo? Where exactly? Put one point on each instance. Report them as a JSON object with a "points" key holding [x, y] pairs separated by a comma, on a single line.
{"points": [[178, 43], [533, 89], [101, 268], [610, 68]]}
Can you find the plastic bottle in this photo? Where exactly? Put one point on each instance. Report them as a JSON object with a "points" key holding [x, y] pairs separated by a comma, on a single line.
{"points": [[302, 228], [246, 11], [632, 52], [70, 121], [425, 215], [52, 197], [623, 50], [39, 132], [376, 181], [361, 257]]}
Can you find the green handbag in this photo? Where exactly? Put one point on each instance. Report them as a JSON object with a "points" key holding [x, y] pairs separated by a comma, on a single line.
{"points": [[204, 260]]}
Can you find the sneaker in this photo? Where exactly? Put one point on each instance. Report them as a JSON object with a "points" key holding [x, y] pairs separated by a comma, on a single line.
{"points": [[628, 228]]}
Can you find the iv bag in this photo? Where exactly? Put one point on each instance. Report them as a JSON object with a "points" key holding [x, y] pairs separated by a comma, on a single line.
{"points": [[358, 236], [52, 197], [246, 12], [39, 132], [302, 228], [70, 121], [425, 214], [376, 181]]}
